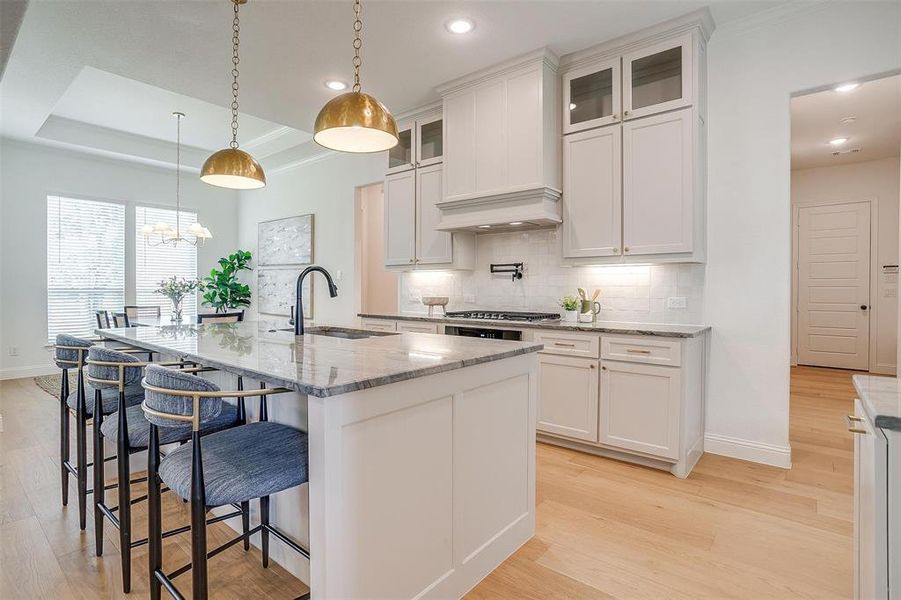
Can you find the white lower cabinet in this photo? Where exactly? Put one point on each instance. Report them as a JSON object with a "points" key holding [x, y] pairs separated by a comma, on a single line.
{"points": [[568, 396], [417, 327], [637, 398], [378, 324], [640, 407], [871, 519]]}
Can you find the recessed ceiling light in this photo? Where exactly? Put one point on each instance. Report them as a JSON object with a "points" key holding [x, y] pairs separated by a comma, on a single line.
{"points": [[572, 106], [516, 223], [460, 26], [484, 226], [837, 141], [846, 87], [334, 84]]}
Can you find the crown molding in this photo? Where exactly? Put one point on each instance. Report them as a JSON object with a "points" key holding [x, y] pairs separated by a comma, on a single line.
{"points": [[699, 21], [780, 12]]}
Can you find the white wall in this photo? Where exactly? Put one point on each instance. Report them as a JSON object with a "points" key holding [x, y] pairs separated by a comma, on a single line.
{"points": [[754, 68], [872, 180], [28, 173], [325, 188]]}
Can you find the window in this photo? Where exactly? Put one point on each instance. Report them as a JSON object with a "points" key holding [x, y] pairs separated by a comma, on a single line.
{"points": [[85, 263], [154, 263]]}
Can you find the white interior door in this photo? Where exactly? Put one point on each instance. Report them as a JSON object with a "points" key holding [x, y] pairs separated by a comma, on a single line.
{"points": [[834, 285]]}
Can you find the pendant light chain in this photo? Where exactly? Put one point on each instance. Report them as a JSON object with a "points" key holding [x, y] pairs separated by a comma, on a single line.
{"points": [[177, 177], [236, 29], [358, 44]]}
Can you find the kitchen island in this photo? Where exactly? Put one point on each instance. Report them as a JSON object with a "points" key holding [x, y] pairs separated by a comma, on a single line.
{"points": [[422, 448]]}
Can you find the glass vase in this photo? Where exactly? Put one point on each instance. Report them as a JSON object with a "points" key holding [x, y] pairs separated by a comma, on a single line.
{"points": [[176, 310]]}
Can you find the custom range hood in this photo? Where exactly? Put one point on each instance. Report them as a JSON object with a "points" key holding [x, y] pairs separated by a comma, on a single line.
{"points": [[501, 147]]}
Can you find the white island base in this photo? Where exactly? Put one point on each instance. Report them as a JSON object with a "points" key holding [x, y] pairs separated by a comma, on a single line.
{"points": [[420, 488]]}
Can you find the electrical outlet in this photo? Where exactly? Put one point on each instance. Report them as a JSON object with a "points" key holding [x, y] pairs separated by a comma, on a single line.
{"points": [[339, 275], [14, 351], [676, 302], [890, 292]]}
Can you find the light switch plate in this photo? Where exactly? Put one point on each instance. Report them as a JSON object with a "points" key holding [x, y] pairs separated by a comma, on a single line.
{"points": [[676, 302], [469, 298]]}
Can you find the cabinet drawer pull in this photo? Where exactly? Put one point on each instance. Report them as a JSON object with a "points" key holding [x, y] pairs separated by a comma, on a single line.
{"points": [[636, 351], [851, 427], [565, 345]]}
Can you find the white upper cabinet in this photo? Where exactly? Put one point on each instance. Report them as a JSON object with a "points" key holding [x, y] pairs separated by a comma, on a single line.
{"points": [[432, 247], [429, 141], [592, 199], [591, 96], [402, 156], [420, 144], [658, 78], [400, 218], [658, 186], [633, 182], [501, 145]]}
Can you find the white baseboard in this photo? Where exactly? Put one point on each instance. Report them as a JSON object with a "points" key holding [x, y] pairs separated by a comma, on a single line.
{"points": [[28, 371], [767, 454]]}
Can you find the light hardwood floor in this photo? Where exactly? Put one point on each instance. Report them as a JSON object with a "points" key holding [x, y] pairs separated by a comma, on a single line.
{"points": [[606, 529]]}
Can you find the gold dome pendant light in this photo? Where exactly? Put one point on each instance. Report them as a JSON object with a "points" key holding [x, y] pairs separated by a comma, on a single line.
{"points": [[231, 167], [355, 122]]}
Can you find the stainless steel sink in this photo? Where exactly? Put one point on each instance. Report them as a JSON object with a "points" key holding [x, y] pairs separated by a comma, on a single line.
{"points": [[340, 332]]}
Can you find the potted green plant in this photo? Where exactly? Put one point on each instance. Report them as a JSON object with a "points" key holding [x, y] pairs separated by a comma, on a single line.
{"points": [[222, 290], [570, 305], [175, 289]]}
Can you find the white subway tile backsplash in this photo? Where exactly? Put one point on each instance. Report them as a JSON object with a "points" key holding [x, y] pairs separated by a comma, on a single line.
{"points": [[628, 292]]}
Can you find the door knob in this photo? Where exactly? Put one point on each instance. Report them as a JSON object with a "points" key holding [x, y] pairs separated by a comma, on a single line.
{"points": [[864, 307]]}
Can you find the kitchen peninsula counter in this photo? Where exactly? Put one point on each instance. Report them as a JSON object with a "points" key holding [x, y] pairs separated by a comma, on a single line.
{"points": [[421, 448]]}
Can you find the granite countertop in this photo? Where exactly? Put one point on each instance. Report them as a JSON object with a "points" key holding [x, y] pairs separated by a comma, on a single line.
{"points": [[881, 398], [621, 327], [317, 365]]}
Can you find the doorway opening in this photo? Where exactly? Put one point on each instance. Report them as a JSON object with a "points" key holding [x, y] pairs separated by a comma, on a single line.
{"points": [[845, 173], [377, 287]]}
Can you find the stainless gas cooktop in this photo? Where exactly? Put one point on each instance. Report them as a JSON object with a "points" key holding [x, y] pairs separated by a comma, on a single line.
{"points": [[503, 315]]}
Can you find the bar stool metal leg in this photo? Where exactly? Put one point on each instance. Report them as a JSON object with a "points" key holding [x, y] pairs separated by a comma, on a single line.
{"points": [[198, 522], [154, 510], [99, 489], [64, 435], [124, 487], [264, 532], [81, 453]]}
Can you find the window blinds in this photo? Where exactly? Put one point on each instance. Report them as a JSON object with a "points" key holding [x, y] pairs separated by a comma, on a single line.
{"points": [[85, 263], [154, 263]]}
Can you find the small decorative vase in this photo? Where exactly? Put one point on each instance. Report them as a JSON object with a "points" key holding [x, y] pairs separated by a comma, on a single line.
{"points": [[176, 311], [570, 316]]}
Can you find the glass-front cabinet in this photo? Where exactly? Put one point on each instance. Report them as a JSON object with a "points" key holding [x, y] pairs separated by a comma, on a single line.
{"points": [[429, 142], [400, 157], [420, 144], [657, 78], [591, 96]]}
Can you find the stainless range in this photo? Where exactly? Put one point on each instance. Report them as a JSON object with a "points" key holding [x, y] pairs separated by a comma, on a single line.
{"points": [[504, 316]]}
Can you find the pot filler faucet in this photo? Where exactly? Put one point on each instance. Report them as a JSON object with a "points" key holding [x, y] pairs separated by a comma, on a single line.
{"points": [[298, 298]]}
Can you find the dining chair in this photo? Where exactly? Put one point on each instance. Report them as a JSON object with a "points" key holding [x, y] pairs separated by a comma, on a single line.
{"points": [[114, 371], [235, 466], [120, 319], [134, 312], [103, 321], [223, 317]]}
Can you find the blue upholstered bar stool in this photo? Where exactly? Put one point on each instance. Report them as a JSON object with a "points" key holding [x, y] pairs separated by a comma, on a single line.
{"points": [[71, 353], [233, 466], [115, 371]]}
